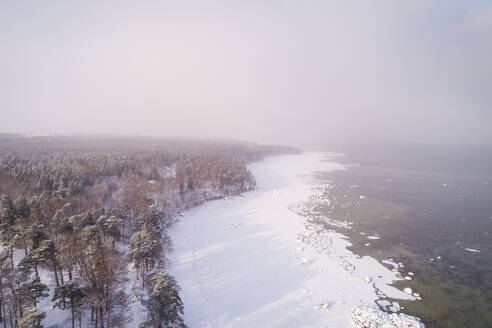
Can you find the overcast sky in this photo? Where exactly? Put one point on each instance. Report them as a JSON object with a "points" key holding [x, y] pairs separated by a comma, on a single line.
{"points": [[294, 72]]}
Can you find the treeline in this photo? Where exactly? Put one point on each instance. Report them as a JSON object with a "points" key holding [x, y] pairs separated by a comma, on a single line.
{"points": [[82, 219]]}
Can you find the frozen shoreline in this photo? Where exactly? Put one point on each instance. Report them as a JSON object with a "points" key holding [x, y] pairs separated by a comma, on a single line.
{"points": [[251, 261]]}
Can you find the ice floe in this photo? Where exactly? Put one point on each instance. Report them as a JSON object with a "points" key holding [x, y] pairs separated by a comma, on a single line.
{"points": [[408, 290]]}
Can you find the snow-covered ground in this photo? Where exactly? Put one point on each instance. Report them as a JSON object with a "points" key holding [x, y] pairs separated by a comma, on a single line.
{"points": [[250, 261]]}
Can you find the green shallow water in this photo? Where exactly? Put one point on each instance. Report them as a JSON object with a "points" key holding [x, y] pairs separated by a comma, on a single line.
{"points": [[424, 220]]}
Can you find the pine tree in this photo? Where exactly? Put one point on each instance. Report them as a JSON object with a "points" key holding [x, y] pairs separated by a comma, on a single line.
{"points": [[32, 318], [7, 226], [44, 252], [75, 292], [165, 308], [34, 289], [153, 218], [4, 255], [35, 235], [7, 218], [189, 184], [87, 220], [22, 208], [111, 229], [181, 188], [144, 249]]}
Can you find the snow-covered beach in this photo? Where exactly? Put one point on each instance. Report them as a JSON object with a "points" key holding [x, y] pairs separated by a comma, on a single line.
{"points": [[252, 261]]}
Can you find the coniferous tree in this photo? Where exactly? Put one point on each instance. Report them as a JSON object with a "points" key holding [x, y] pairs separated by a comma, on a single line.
{"points": [[33, 289], [165, 308], [7, 226], [4, 256], [35, 235], [7, 214], [32, 318], [22, 208], [143, 249], [75, 292], [7, 219]]}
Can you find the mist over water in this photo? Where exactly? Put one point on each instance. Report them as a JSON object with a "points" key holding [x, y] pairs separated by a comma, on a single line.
{"points": [[454, 159]]}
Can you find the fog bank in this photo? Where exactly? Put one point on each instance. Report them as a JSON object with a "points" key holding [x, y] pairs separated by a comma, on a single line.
{"points": [[285, 72]]}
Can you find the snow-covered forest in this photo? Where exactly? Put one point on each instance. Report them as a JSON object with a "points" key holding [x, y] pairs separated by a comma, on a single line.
{"points": [[84, 221]]}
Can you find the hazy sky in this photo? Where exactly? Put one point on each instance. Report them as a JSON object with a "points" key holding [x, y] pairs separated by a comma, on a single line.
{"points": [[298, 72]]}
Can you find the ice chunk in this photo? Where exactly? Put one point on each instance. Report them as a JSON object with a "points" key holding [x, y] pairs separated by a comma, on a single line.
{"points": [[395, 307], [364, 317]]}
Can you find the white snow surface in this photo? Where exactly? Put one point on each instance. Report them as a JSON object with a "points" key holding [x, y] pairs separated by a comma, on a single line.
{"points": [[245, 262], [365, 317]]}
